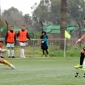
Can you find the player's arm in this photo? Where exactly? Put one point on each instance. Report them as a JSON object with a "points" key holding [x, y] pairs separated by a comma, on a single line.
{"points": [[82, 38], [6, 37], [0, 50], [3, 50], [28, 36], [46, 36], [17, 35], [41, 37], [15, 38], [42, 40]]}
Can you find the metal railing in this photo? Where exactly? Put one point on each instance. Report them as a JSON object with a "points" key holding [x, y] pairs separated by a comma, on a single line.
{"points": [[33, 47]]}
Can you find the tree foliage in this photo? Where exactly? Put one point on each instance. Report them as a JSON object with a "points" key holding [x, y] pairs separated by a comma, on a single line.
{"points": [[49, 11], [15, 17]]}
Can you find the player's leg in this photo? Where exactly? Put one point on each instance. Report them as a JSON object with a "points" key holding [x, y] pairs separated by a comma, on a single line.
{"points": [[43, 51], [8, 50], [7, 63], [22, 51], [83, 63], [83, 68], [21, 55], [22, 45], [81, 59], [1, 55], [12, 50], [47, 52]]}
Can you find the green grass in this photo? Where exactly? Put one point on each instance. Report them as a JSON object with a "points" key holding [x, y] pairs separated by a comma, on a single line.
{"points": [[41, 71], [54, 51]]}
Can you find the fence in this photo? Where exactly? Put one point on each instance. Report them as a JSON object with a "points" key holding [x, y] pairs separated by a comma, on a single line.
{"points": [[54, 47], [33, 47]]}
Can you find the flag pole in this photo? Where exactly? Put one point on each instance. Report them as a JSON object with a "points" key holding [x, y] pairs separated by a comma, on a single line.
{"points": [[67, 35], [65, 47]]}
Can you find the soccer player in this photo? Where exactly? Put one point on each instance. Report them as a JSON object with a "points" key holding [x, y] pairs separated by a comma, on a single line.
{"points": [[22, 37], [1, 42], [44, 43], [2, 60], [10, 40], [82, 53]]}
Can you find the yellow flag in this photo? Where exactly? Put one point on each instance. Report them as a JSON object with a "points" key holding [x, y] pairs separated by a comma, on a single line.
{"points": [[67, 35]]}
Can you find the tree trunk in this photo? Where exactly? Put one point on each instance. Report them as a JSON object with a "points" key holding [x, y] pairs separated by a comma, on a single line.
{"points": [[79, 33], [63, 22]]}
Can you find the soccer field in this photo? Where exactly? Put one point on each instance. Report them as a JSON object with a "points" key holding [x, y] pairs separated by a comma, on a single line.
{"points": [[41, 71]]}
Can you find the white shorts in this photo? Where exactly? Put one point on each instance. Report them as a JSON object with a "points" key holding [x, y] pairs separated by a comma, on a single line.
{"points": [[22, 43], [10, 44]]}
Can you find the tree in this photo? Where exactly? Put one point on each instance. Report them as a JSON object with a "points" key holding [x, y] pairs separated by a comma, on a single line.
{"points": [[2, 24], [13, 16], [28, 20], [76, 10], [16, 18], [49, 11], [63, 22], [41, 13]]}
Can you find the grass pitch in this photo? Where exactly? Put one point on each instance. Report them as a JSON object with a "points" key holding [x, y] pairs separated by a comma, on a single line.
{"points": [[41, 71]]}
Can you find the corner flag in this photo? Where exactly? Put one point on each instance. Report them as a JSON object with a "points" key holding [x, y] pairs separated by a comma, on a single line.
{"points": [[67, 35]]}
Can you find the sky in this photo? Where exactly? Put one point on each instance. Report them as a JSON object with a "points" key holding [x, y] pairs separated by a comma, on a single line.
{"points": [[21, 5]]}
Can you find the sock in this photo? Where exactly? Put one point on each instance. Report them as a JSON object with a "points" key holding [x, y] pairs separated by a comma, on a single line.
{"points": [[84, 64], [12, 51], [8, 52], [81, 58], [22, 52], [6, 63]]}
